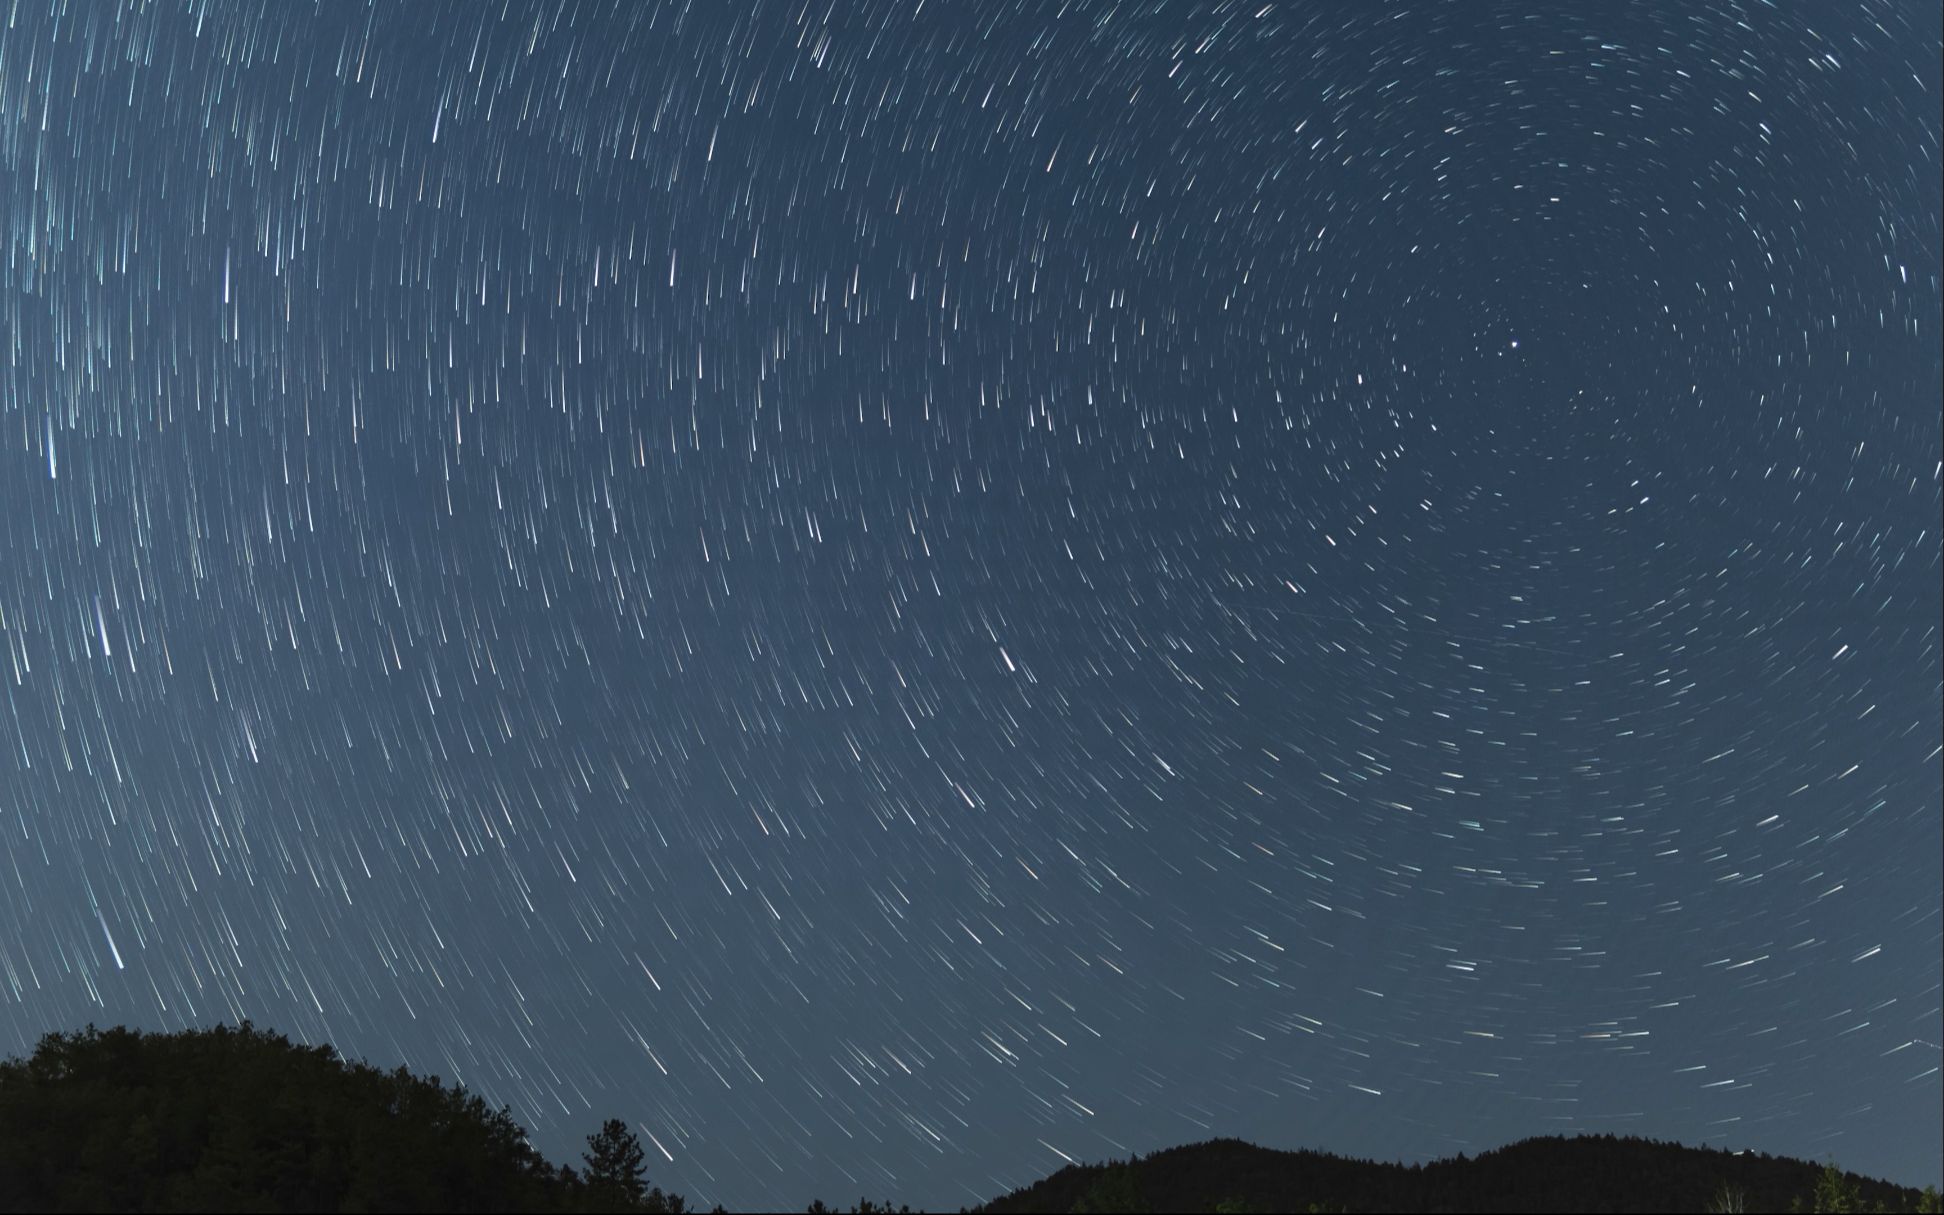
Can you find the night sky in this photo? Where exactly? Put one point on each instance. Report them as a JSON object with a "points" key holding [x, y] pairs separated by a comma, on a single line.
{"points": [[897, 593]]}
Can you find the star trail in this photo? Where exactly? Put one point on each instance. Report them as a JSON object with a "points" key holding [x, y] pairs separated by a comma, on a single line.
{"points": [[899, 593]]}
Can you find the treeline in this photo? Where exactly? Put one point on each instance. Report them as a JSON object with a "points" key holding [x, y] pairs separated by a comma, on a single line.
{"points": [[244, 1120], [240, 1119]]}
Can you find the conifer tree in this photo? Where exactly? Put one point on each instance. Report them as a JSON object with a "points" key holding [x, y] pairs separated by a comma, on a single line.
{"points": [[615, 1161]]}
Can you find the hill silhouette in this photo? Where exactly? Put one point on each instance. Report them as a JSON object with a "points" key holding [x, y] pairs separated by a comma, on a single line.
{"points": [[240, 1119], [1589, 1173]]}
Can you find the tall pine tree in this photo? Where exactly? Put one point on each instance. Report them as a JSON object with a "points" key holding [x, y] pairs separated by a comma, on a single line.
{"points": [[615, 1161]]}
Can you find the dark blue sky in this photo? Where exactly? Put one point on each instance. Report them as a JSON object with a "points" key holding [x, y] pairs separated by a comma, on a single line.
{"points": [[895, 593]]}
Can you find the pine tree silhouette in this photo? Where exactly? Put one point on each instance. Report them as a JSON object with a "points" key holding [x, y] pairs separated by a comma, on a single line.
{"points": [[615, 1161]]}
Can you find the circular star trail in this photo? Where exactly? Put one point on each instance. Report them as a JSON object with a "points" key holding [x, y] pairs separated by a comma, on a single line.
{"points": [[900, 593]]}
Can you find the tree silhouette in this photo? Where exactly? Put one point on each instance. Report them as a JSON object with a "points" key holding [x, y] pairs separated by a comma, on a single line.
{"points": [[239, 1119], [1836, 1193], [616, 1165]]}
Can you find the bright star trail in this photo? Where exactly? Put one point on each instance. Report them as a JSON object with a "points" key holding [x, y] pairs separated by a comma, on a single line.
{"points": [[894, 593]]}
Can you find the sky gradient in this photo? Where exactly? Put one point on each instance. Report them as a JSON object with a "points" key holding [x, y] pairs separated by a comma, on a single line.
{"points": [[900, 593]]}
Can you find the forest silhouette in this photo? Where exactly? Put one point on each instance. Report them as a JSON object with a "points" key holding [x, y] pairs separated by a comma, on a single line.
{"points": [[242, 1119]]}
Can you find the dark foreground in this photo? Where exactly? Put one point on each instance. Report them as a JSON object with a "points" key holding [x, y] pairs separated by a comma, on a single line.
{"points": [[239, 1119], [1589, 1173]]}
